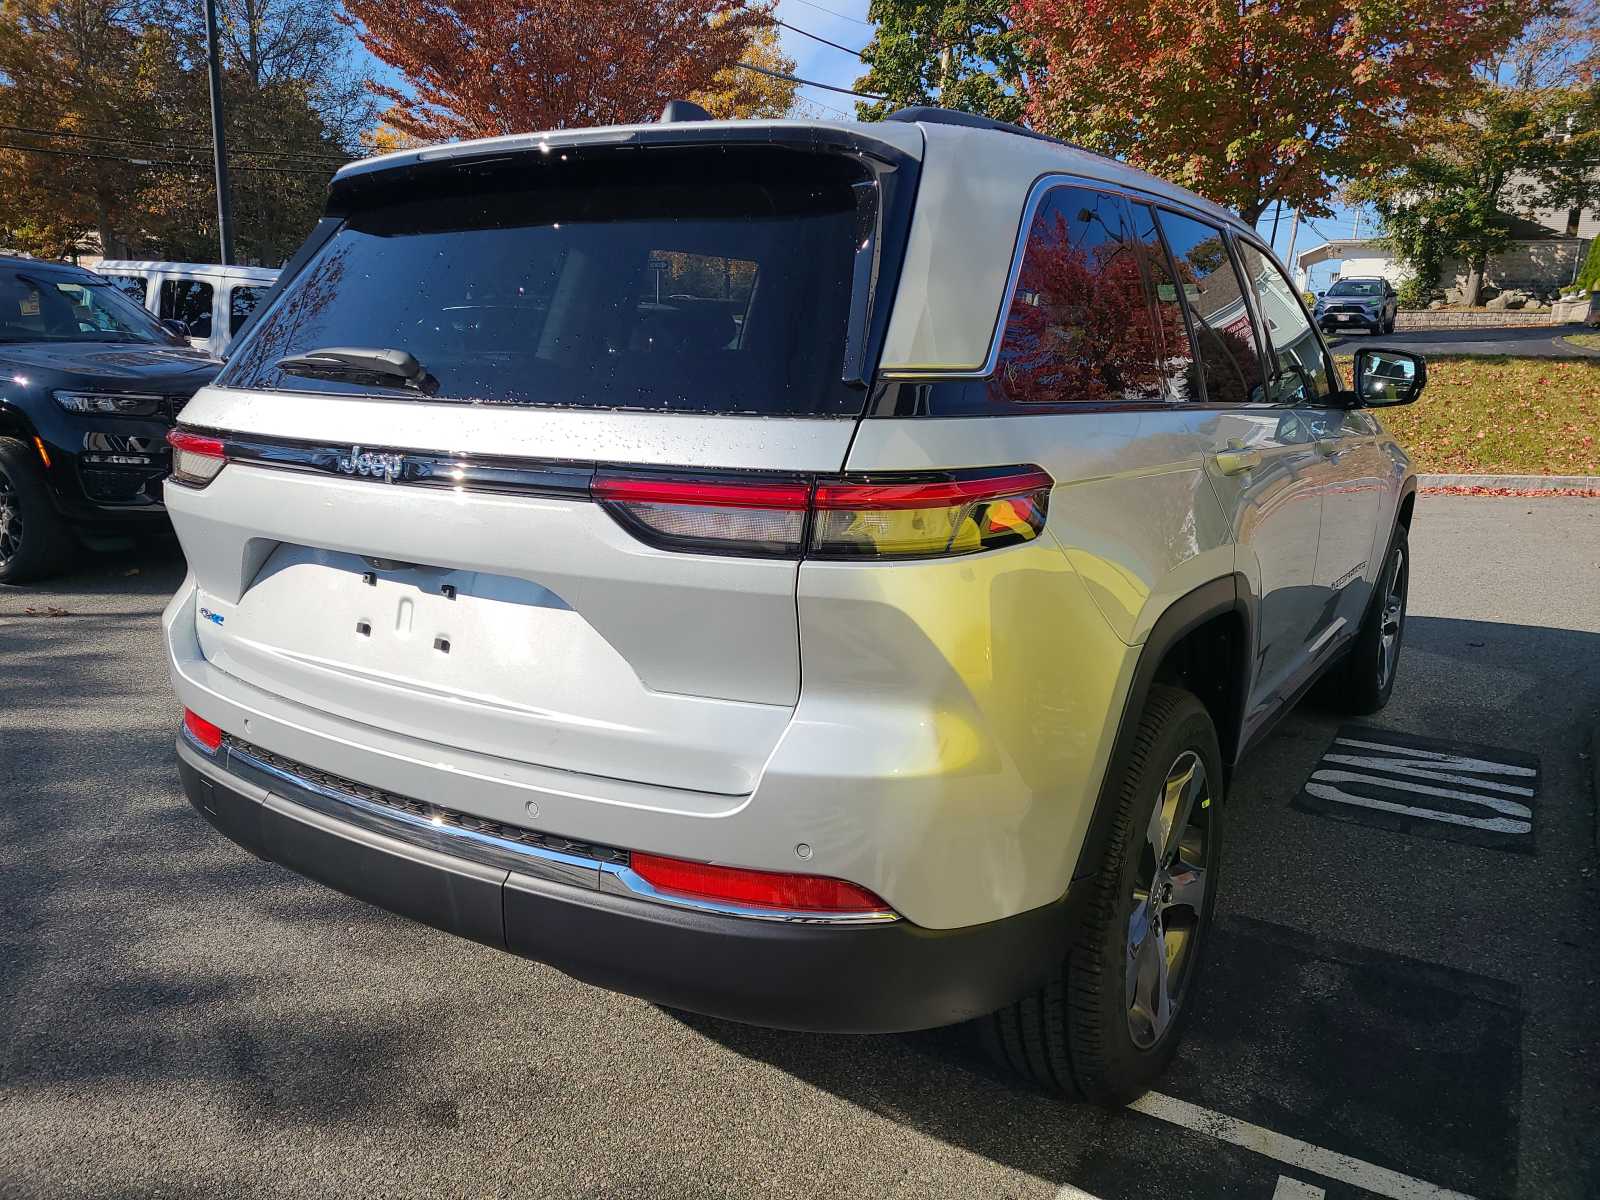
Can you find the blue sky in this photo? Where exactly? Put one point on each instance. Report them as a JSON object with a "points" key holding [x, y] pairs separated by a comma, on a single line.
{"points": [[844, 21]]}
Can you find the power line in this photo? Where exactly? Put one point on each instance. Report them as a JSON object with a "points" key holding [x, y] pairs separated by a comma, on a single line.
{"points": [[130, 141], [832, 12], [807, 82], [815, 37], [158, 162]]}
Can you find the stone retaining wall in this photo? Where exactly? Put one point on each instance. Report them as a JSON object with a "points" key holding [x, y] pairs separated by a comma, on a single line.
{"points": [[1471, 320]]}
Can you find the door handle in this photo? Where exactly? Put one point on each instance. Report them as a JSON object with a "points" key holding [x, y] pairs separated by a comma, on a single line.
{"points": [[1329, 447], [1236, 461]]}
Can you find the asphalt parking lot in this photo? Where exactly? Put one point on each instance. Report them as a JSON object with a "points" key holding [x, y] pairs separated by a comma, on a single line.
{"points": [[1522, 341], [1385, 1012]]}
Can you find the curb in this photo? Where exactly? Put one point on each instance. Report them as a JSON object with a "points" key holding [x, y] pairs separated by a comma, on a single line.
{"points": [[1532, 483]]}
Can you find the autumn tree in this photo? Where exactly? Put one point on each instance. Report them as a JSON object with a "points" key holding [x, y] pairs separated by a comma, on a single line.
{"points": [[739, 94], [963, 54], [1250, 103], [108, 136], [476, 68]]}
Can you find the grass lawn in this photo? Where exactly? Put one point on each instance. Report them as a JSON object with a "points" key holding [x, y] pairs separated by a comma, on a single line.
{"points": [[1502, 416], [1589, 341]]}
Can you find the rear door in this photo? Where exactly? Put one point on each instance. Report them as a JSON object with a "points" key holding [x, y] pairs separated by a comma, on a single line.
{"points": [[1263, 461], [522, 554]]}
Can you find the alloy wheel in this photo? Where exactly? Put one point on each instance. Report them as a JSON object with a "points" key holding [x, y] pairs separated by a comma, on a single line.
{"points": [[1168, 901], [1394, 616], [10, 520]]}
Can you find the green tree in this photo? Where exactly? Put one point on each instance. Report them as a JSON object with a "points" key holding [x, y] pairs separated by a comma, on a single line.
{"points": [[962, 54], [738, 94], [1249, 103], [1449, 198]]}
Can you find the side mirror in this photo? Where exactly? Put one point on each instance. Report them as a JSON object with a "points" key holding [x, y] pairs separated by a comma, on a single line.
{"points": [[180, 328], [1384, 378]]}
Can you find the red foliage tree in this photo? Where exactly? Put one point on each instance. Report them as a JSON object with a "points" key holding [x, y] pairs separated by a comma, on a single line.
{"points": [[477, 68], [1249, 102]]}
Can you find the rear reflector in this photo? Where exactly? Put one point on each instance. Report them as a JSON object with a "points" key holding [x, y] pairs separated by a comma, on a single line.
{"points": [[848, 517], [196, 459], [757, 889], [202, 730]]}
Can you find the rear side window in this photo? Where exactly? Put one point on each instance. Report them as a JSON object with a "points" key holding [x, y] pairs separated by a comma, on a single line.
{"points": [[680, 280], [1079, 330], [1183, 384], [187, 300], [132, 286], [1300, 370], [241, 303], [1224, 337]]}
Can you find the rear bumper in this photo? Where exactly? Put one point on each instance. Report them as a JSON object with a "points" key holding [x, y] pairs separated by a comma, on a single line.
{"points": [[871, 977]]}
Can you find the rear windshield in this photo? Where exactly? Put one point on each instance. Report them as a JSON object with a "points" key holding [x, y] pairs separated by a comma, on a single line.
{"points": [[675, 279]]}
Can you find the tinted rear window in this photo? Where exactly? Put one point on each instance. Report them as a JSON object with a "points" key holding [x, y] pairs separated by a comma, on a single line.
{"points": [[667, 280]]}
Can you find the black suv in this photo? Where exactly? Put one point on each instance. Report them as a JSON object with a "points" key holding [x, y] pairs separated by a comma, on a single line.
{"points": [[89, 385]]}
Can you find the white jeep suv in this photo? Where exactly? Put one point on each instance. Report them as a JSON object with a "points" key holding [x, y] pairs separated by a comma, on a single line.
{"points": [[820, 575]]}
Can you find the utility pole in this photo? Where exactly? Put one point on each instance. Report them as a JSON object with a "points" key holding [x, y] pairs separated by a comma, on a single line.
{"points": [[1277, 214], [219, 145], [1294, 228]]}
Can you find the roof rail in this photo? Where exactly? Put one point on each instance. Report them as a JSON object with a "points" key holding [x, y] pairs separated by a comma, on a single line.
{"points": [[928, 115]]}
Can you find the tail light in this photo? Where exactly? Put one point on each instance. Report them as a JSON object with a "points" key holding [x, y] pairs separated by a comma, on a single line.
{"points": [[196, 459], [201, 730], [759, 889], [833, 517]]}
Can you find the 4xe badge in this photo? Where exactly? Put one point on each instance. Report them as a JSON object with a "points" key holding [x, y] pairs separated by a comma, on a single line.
{"points": [[374, 463]]}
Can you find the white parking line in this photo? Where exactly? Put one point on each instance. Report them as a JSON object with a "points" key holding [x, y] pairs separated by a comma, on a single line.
{"points": [[1293, 1189], [1291, 1151]]}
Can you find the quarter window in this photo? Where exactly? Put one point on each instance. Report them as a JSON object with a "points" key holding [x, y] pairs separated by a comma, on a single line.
{"points": [[1300, 370], [1224, 337], [1079, 330], [187, 300]]}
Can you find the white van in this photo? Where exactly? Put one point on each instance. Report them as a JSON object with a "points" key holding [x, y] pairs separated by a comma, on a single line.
{"points": [[212, 301]]}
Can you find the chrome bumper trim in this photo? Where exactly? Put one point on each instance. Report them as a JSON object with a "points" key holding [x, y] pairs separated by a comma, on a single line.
{"points": [[485, 847]]}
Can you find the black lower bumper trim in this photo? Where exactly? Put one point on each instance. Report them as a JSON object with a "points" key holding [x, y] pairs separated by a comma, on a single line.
{"points": [[875, 978]]}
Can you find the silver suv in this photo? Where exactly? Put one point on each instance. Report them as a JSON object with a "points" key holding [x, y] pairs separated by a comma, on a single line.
{"points": [[817, 575]]}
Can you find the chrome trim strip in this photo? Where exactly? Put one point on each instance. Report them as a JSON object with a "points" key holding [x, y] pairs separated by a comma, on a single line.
{"points": [[195, 743], [519, 857], [422, 468], [471, 844], [1036, 195]]}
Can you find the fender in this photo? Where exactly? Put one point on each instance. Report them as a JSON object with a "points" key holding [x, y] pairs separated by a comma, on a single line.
{"points": [[1229, 594], [14, 418]]}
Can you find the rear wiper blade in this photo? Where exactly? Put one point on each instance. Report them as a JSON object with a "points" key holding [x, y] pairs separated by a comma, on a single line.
{"points": [[378, 366]]}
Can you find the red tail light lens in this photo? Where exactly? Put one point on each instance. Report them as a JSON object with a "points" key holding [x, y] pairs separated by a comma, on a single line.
{"points": [[202, 730], [846, 517], [885, 516], [196, 459], [749, 516], [758, 889]]}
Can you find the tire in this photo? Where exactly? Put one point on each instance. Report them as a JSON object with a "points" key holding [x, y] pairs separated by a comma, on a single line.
{"points": [[1082, 1035], [1364, 681], [34, 540]]}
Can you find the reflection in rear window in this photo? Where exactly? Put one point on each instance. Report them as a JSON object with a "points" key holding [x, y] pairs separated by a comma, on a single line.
{"points": [[680, 280]]}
